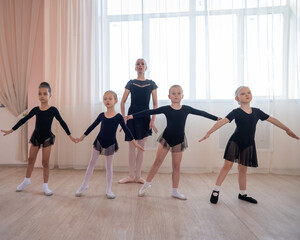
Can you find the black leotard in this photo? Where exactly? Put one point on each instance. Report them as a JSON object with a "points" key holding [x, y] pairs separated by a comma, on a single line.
{"points": [[107, 133], [241, 145], [174, 131], [140, 98], [43, 123]]}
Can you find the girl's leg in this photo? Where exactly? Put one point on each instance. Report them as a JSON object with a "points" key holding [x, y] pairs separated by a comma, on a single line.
{"points": [[88, 173], [242, 184], [222, 175], [31, 160], [176, 160], [160, 156], [139, 162], [242, 177], [131, 157], [45, 162], [109, 176], [223, 172]]}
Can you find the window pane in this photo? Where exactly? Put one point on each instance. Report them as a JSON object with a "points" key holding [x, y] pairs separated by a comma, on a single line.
{"points": [[169, 54], [264, 59], [222, 4], [125, 47], [161, 6], [222, 56], [121, 7], [201, 61]]}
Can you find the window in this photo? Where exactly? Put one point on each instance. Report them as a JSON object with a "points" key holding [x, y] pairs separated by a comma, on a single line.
{"points": [[208, 46]]}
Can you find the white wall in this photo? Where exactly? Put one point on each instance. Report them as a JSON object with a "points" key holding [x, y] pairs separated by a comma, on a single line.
{"points": [[282, 156], [9, 143]]}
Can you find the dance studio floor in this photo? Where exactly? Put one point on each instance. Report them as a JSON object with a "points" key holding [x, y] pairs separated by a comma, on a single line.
{"points": [[31, 215]]}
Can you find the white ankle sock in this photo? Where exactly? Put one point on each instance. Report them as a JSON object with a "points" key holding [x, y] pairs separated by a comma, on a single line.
{"points": [[176, 194], [147, 184], [46, 190], [243, 192], [25, 182], [144, 188], [216, 188]]}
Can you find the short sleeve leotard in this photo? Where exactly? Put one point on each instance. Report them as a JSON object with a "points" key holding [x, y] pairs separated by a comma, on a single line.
{"points": [[140, 98], [173, 137], [42, 134], [241, 145], [106, 142]]}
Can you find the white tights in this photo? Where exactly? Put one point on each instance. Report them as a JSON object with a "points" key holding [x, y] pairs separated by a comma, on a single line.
{"points": [[135, 161], [91, 167]]}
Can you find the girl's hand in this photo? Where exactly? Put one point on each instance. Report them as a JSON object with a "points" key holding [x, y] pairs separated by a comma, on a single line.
{"points": [[219, 118], [152, 126], [72, 139], [291, 134], [80, 139], [7, 132], [129, 117], [205, 137], [137, 145]]}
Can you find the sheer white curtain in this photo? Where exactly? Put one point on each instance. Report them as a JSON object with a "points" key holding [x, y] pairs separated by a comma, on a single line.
{"points": [[72, 67], [208, 47], [211, 47], [18, 26]]}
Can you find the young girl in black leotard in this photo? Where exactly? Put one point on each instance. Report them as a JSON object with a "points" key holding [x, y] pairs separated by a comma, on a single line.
{"points": [[241, 146], [41, 136], [173, 137], [141, 90], [106, 142]]}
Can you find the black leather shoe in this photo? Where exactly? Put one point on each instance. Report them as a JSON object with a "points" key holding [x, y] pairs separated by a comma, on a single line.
{"points": [[247, 199], [214, 199]]}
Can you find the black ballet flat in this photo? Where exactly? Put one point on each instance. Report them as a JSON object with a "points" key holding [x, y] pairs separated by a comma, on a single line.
{"points": [[214, 199], [247, 199]]}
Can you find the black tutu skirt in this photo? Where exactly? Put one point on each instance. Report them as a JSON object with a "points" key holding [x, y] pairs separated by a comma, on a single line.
{"points": [[139, 128], [106, 151], [44, 143], [246, 156], [176, 148]]}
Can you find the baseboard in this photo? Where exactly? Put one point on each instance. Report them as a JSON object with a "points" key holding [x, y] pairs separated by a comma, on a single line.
{"points": [[189, 170]]}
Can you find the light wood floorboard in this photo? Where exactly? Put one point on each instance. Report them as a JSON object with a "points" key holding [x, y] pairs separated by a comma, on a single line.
{"points": [[31, 215]]}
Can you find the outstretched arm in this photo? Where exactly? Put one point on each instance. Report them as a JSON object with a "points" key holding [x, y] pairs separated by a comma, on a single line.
{"points": [[25, 119], [129, 134], [62, 122], [137, 145], [203, 114], [6, 132], [148, 112], [20, 122], [123, 101], [215, 128], [279, 124]]}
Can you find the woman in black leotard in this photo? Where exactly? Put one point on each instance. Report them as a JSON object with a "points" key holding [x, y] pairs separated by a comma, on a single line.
{"points": [[241, 145], [173, 137], [106, 142], [141, 90], [41, 136]]}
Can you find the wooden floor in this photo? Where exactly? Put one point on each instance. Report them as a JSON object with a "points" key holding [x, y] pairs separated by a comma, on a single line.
{"points": [[31, 215]]}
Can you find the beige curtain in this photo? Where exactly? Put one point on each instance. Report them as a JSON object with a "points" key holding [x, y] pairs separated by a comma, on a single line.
{"points": [[72, 68], [18, 25]]}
